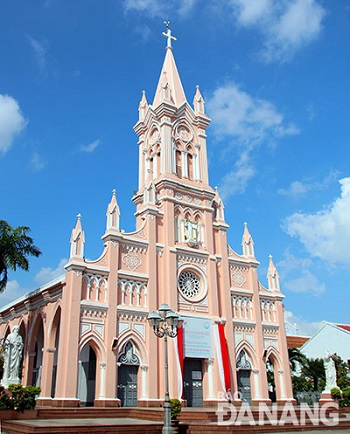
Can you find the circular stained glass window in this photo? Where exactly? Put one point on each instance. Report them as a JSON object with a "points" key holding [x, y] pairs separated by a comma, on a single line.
{"points": [[189, 284]]}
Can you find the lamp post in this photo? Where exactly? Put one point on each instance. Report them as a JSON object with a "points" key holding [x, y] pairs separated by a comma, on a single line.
{"points": [[165, 324]]}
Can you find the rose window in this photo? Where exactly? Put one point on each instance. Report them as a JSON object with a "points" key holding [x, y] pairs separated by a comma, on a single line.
{"points": [[189, 284]]}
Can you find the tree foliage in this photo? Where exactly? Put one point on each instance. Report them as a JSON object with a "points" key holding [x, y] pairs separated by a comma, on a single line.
{"points": [[15, 248], [311, 375]]}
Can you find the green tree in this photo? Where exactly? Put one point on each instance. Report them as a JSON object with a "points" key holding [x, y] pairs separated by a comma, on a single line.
{"points": [[313, 370], [343, 373], [296, 359], [15, 247]]}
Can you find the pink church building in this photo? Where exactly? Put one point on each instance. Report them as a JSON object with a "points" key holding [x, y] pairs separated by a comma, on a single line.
{"points": [[86, 336]]}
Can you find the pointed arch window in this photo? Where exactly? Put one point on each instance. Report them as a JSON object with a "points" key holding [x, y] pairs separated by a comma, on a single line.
{"points": [[178, 158], [190, 166], [243, 361], [129, 356]]}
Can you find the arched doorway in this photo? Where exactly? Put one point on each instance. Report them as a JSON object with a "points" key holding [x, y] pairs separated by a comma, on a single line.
{"points": [[38, 353], [271, 383], [128, 366], [87, 376], [244, 369], [22, 332], [56, 337]]}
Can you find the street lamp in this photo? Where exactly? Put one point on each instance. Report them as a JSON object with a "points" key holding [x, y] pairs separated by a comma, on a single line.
{"points": [[165, 323]]}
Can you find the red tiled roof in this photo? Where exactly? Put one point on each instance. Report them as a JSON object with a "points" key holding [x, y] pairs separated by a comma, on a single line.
{"points": [[344, 327], [296, 341]]}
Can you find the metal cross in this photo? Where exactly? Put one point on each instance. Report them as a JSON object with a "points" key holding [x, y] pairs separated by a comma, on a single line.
{"points": [[168, 34]]}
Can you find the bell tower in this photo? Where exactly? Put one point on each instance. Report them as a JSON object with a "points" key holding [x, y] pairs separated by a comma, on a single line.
{"points": [[172, 145]]}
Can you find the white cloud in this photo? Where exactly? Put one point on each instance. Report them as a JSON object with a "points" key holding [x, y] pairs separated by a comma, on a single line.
{"points": [[40, 53], [306, 282], [245, 123], [12, 291], [300, 326], [325, 234], [47, 274], [296, 275], [76, 73], [236, 181], [159, 8], [286, 25], [12, 122], [299, 188], [253, 11], [37, 163], [90, 147], [249, 120]]}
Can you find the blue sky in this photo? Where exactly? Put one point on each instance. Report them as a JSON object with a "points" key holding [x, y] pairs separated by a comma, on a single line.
{"points": [[275, 77]]}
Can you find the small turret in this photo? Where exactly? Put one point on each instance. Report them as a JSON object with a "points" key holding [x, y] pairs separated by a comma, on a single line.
{"points": [[113, 213], [143, 106], [218, 206], [198, 102], [273, 277], [77, 240], [247, 243]]}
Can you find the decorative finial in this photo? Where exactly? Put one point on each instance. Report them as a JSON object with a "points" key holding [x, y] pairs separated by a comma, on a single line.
{"points": [[79, 216], [168, 35], [114, 192]]}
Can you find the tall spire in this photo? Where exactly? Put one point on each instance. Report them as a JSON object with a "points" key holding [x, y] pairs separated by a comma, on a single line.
{"points": [[169, 87]]}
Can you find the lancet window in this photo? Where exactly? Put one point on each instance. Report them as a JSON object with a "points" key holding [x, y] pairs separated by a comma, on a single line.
{"points": [[152, 166], [186, 161], [242, 307], [132, 294], [94, 288], [268, 312]]}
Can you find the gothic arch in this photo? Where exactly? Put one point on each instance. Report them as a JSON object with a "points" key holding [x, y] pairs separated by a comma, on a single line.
{"points": [[273, 355], [37, 337], [7, 330], [53, 324], [95, 343], [138, 344], [178, 145], [33, 329], [248, 348]]}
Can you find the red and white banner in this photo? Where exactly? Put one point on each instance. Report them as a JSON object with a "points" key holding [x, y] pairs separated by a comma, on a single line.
{"points": [[222, 357], [179, 350]]}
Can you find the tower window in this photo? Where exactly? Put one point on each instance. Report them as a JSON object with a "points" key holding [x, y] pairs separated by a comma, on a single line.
{"points": [[178, 164]]}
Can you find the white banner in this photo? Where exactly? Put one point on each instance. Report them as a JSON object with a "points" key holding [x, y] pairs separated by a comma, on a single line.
{"points": [[197, 338]]}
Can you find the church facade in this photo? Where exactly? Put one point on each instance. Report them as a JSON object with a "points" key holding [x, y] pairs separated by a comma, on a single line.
{"points": [[86, 336]]}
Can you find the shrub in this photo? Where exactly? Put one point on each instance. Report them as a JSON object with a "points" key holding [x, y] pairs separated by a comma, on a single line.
{"points": [[19, 398], [5, 399], [346, 396], [175, 407], [336, 392]]}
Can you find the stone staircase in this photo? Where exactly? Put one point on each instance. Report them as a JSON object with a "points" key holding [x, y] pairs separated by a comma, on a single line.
{"points": [[150, 420]]}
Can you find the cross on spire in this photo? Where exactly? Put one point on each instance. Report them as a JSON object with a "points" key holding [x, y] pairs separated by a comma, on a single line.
{"points": [[168, 35]]}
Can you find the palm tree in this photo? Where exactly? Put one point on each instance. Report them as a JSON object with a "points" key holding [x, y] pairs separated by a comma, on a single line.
{"points": [[15, 247], [313, 370], [296, 359]]}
